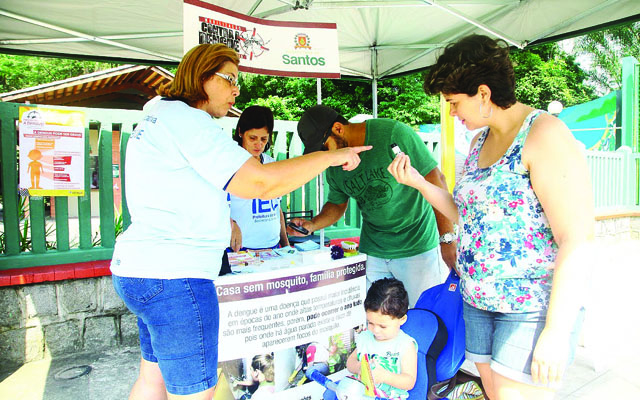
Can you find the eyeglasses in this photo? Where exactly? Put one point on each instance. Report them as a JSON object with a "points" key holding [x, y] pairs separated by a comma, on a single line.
{"points": [[326, 137], [232, 81]]}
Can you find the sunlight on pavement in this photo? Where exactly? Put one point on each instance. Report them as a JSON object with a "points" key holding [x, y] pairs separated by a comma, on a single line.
{"points": [[27, 382]]}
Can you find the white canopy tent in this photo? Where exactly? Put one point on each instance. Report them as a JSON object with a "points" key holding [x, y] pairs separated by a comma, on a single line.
{"points": [[377, 39]]}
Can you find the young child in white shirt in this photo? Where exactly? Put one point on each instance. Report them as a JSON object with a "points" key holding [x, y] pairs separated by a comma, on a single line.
{"points": [[393, 355]]}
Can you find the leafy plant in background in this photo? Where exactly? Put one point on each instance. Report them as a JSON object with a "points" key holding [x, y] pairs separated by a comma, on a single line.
{"points": [[605, 50], [118, 225], [403, 99], [23, 231], [50, 230], [398, 98], [543, 74], [18, 72], [546, 73]]}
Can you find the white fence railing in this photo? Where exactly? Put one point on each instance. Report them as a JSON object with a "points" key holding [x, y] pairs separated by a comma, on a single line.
{"points": [[615, 178]]}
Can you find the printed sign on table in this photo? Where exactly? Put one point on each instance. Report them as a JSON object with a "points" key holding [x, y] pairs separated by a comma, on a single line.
{"points": [[51, 152], [285, 321], [267, 47]]}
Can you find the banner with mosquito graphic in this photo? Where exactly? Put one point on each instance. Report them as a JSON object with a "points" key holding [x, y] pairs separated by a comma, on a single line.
{"points": [[281, 48]]}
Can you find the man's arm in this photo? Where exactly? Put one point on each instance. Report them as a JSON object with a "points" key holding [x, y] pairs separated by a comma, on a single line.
{"points": [[437, 178], [284, 240], [236, 236]]}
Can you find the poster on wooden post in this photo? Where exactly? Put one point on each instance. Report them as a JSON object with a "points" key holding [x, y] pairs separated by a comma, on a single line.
{"points": [[52, 152]]}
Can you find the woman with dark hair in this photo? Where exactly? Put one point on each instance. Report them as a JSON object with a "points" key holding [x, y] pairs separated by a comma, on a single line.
{"points": [[180, 167], [255, 117], [525, 213], [256, 223]]}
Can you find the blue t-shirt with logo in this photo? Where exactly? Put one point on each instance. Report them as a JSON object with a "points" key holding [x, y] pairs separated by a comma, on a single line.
{"points": [[259, 220]]}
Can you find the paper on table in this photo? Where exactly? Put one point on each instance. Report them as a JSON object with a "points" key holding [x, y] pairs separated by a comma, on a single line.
{"points": [[307, 246]]}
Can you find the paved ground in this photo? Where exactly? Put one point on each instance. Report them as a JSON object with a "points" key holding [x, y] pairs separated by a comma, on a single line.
{"points": [[607, 364], [110, 377], [112, 374]]}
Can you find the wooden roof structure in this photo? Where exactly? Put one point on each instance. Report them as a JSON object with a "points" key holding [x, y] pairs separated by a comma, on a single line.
{"points": [[124, 87]]}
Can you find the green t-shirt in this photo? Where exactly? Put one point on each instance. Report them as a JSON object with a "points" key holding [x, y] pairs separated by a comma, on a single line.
{"points": [[397, 221]]}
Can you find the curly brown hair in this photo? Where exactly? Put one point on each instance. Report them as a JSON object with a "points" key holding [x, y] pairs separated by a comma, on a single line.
{"points": [[197, 66], [388, 297], [470, 62]]}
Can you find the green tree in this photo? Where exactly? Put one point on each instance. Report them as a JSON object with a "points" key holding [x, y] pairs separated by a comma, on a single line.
{"points": [[348, 97], [606, 49], [289, 97], [403, 99], [399, 98], [546, 73], [19, 72], [543, 74]]}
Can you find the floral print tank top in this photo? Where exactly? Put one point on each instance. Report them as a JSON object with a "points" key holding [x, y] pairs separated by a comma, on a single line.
{"points": [[506, 250]]}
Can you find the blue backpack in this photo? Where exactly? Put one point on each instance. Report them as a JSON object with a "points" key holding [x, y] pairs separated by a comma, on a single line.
{"points": [[437, 325], [430, 332]]}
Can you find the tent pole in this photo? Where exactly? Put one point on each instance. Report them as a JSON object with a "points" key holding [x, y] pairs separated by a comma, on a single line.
{"points": [[374, 81], [447, 149], [629, 91], [320, 180], [374, 96]]}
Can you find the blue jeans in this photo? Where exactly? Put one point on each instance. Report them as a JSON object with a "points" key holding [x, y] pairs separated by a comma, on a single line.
{"points": [[178, 323]]}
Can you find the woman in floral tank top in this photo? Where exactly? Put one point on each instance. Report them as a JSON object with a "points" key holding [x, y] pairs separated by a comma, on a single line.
{"points": [[525, 213]]}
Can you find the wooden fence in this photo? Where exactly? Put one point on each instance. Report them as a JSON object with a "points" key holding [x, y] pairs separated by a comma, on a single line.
{"points": [[30, 239]]}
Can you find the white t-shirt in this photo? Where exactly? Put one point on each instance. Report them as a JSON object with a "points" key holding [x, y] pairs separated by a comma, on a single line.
{"points": [[259, 220], [178, 164]]}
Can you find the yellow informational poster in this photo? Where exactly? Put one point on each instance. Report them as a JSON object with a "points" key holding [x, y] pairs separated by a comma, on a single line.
{"points": [[51, 152]]}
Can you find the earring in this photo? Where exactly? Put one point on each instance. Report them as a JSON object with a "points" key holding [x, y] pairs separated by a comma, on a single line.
{"points": [[490, 112]]}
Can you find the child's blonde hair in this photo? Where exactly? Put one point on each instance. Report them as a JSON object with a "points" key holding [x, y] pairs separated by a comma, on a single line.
{"points": [[264, 363]]}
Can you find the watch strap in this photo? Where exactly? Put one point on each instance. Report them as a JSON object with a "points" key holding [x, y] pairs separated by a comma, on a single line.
{"points": [[447, 237]]}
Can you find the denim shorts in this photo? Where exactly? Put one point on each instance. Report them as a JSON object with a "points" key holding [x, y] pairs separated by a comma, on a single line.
{"points": [[178, 323], [506, 340]]}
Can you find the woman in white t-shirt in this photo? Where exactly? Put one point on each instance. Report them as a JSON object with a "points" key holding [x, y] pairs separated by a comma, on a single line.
{"points": [[180, 167], [256, 223]]}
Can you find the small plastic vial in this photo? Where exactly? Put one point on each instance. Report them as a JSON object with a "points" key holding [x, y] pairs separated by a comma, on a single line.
{"points": [[396, 150]]}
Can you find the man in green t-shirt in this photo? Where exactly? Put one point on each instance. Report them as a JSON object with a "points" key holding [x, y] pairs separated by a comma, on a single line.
{"points": [[400, 231]]}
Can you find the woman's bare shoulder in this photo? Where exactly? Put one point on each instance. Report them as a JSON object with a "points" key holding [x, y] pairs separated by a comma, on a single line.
{"points": [[550, 136]]}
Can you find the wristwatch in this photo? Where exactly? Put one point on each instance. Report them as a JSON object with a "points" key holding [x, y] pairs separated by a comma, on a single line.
{"points": [[448, 238]]}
